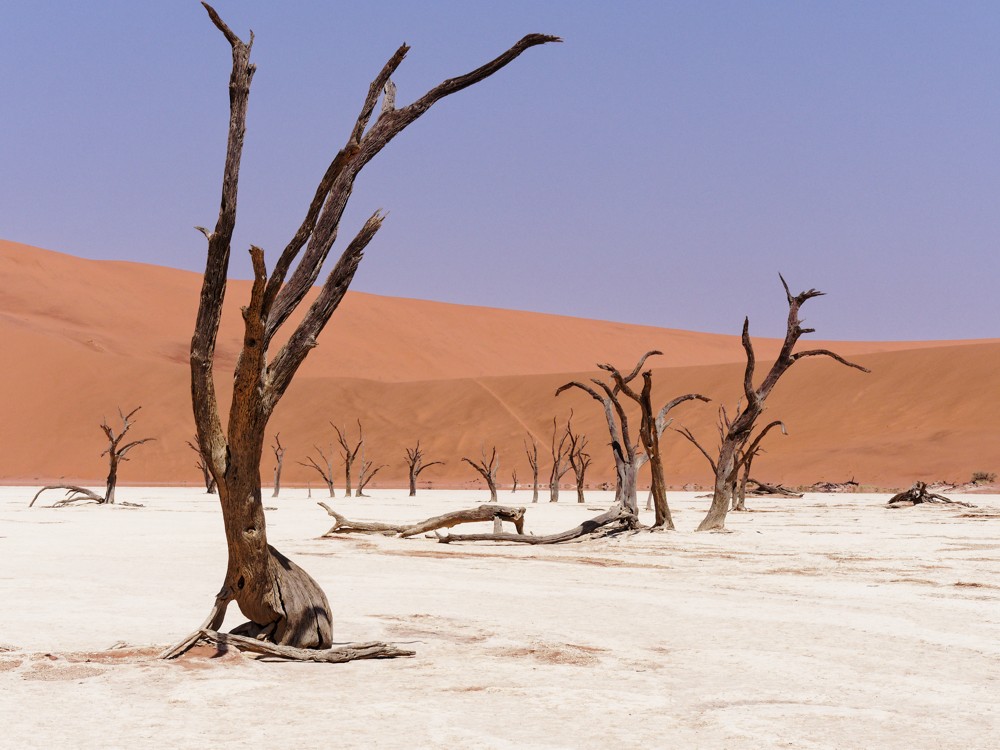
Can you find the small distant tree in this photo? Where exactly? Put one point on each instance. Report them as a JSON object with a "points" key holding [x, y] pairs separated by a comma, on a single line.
{"points": [[348, 453], [579, 459], [202, 464], [513, 479], [117, 452], [532, 454], [415, 464], [560, 458], [487, 468], [367, 472], [279, 457], [323, 467]]}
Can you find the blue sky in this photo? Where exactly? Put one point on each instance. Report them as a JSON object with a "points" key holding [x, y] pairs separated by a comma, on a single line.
{"points": [[659, 167]]}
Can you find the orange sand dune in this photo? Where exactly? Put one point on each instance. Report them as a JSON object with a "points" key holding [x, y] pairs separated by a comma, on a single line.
{"points": [[80, 337]]}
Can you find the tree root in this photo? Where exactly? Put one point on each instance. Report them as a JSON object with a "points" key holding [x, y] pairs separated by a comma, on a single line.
{"points": [[336, 655]]}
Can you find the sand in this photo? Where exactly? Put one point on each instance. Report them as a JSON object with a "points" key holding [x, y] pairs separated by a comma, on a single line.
{"points": [[80, 338], [824, 622]]}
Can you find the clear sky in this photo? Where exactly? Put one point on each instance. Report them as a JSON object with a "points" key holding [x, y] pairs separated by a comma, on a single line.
{"points": [[659, 167]]}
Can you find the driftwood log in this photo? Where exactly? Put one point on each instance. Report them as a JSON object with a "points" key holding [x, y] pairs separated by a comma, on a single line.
{"points": [[470, 515], [918, 494], [616, 520]]}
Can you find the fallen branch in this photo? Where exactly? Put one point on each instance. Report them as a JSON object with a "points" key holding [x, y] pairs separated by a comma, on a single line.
{"points": [[918, 494], [614, 521], [74, 494], [447, 520], [772, 489]]}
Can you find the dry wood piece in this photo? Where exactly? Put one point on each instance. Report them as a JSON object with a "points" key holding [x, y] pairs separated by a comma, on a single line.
{"points": [[333, 655], [614, 521], [560, 458], [279, 457], [116, 453], [532, 454], [918, 494], [738, 431], [628, 458], [324, 469], [471, 515], [415, 464], [487, 468], [282, 602]]}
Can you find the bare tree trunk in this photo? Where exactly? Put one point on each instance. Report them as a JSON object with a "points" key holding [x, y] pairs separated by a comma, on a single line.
{"points": [[282, 602], [415, 463], [560, 462]]}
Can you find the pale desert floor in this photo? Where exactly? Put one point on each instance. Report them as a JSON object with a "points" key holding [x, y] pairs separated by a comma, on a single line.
{"points": [[822, 622]]}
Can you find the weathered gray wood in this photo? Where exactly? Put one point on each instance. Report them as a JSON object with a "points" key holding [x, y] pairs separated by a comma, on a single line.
{"points": [[74, 494], [579, 459], [618, 518], [479, 514], [332, 655]]}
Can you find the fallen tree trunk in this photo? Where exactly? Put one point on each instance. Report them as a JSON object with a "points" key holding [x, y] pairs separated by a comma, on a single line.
{"points": [[918, 494], [615, 520], [772, 489], [74, 494], [447, 520]]}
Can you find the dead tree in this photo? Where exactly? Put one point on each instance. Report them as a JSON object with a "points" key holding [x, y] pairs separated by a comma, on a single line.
{"points": [[282, 602], [532, 454], [366, 474], [348, 454], [324, 469], [116, 453], [487, 469], [738, 431], [513, 480], [918, 494], [279, 457], [415, 463], [579, 459], [560, 459], [735, 488], [628, 458], [202, 463]]}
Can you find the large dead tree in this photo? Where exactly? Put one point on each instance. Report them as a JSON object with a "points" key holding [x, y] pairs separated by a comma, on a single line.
{"points": [[348, 453], [202, 464], [117, 452], [532, 454], [415, 464], [323, 467], [627, 455], [282, 602], [738, 431], [560, 458], [651, 429], [579, 459], [487, 468], [736, 487], [279, 460]]}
